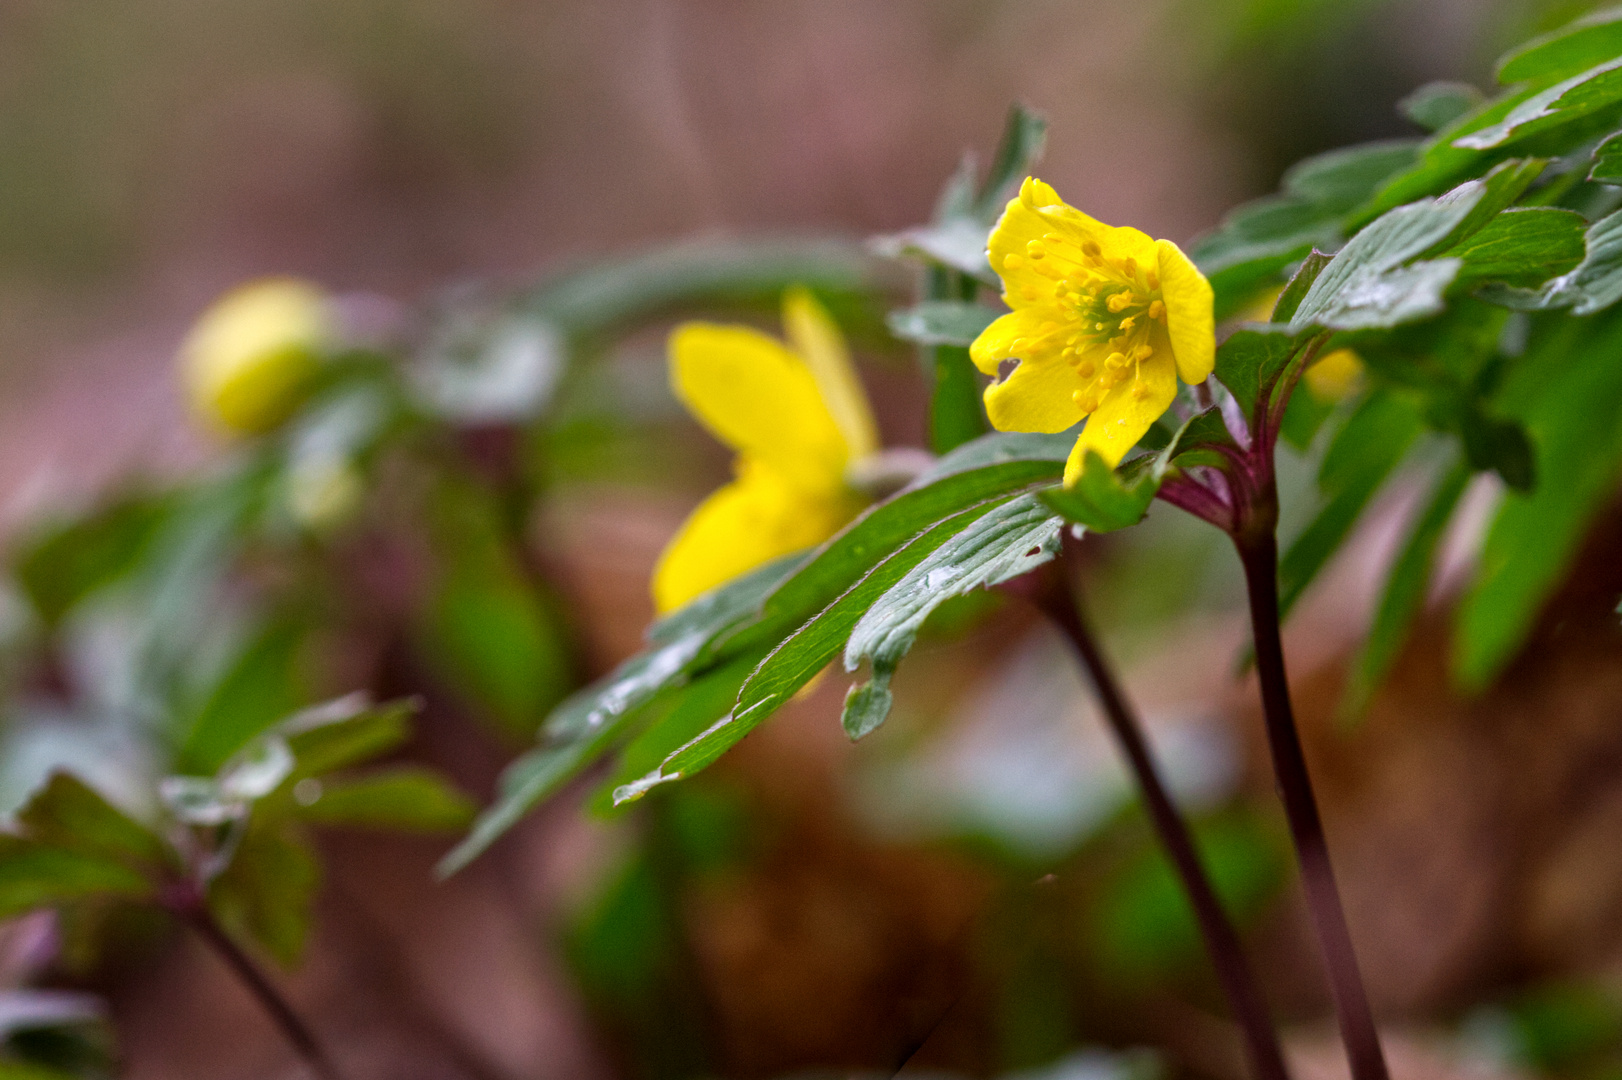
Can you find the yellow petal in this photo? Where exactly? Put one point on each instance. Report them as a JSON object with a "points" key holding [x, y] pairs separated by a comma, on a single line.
{"points": [[249, 359], [1122, 419], [756, 518], [1035, 213], [816, 337], [1036, 396], [1190, 319], [759, 398], [996, 342]]}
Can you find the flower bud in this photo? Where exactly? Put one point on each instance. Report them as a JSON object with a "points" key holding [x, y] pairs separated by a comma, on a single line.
{"points": [[248, 362]]}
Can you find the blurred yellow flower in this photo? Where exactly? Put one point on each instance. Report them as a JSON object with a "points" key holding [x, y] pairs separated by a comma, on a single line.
{"points": [[1104, 321], [797, 417], [1334, 376], [249, 359]]}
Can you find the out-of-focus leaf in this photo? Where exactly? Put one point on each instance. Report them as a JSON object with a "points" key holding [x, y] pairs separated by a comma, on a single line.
{"points": [[259, 689], [1568, 393], [68, 813], [1404, 593], [1596, 90], [941, 322], [1024, 136], [406, 797], [1523, 247], [344, 732], [487, 630], [35, 875], [1105, 499], [621, 294], [1008, 541], [479, 371], [1339, 180], [60, 567], [266, 891], [956, 243], [1570, 50], [1365, 450], [1607, 168], [1437, 104], [1596, 283]]}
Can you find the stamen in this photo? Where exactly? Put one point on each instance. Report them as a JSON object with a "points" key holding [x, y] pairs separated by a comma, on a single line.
{"points": [[1086, 368], [1091, 249], [1012, 261], [1157, 310], [1119, 302], [1153, 281], [1115, 361], [1129, 322], [1139, 392], [1142, 353], [1035, 249], [1130, 265]]}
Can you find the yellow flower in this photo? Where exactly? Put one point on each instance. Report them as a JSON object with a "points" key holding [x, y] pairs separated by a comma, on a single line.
{"points": [[798, 419], [249, 359], [1104, 321]]}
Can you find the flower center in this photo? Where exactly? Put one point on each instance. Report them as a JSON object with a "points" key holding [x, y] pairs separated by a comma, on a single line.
{"points": [[1110, 302]]}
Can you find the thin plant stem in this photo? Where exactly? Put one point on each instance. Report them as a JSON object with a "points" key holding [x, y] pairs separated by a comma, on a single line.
{"points": [[292, 1026], [1063, 605], [1258, 551]]}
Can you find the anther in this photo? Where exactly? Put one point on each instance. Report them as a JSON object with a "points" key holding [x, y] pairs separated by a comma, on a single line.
{"points": [[1091, 249], [1157, 310], [1139, 392], [1119, 302], [1012, 261], [1115, 361], [1153, 281], [1129, 322], [1086, 368], [1130, 265], [1142, 353], [1035, 249]]}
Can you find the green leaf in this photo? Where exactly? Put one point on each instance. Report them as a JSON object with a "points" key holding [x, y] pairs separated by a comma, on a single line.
{"points": [[1250, 361], [703, 702], [752, 615], [61, 566], [1374, 281], [1339, 180], [1024, 136], [68, 813], [1437, 104], [1575, 47], [795, 662], [345, 732], [1596, 283], [1365, 450], [956, 412], [941, 322], [618, 295], [267, 890], [1404, 594], [259, 688], [1259, 240], [957, 244], [1608, 161], [35, 875], [1596, 90], [407, 798], [1295, 290], [1008, 541], [1105, 499], [1523, 247], [1567, 390]]}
